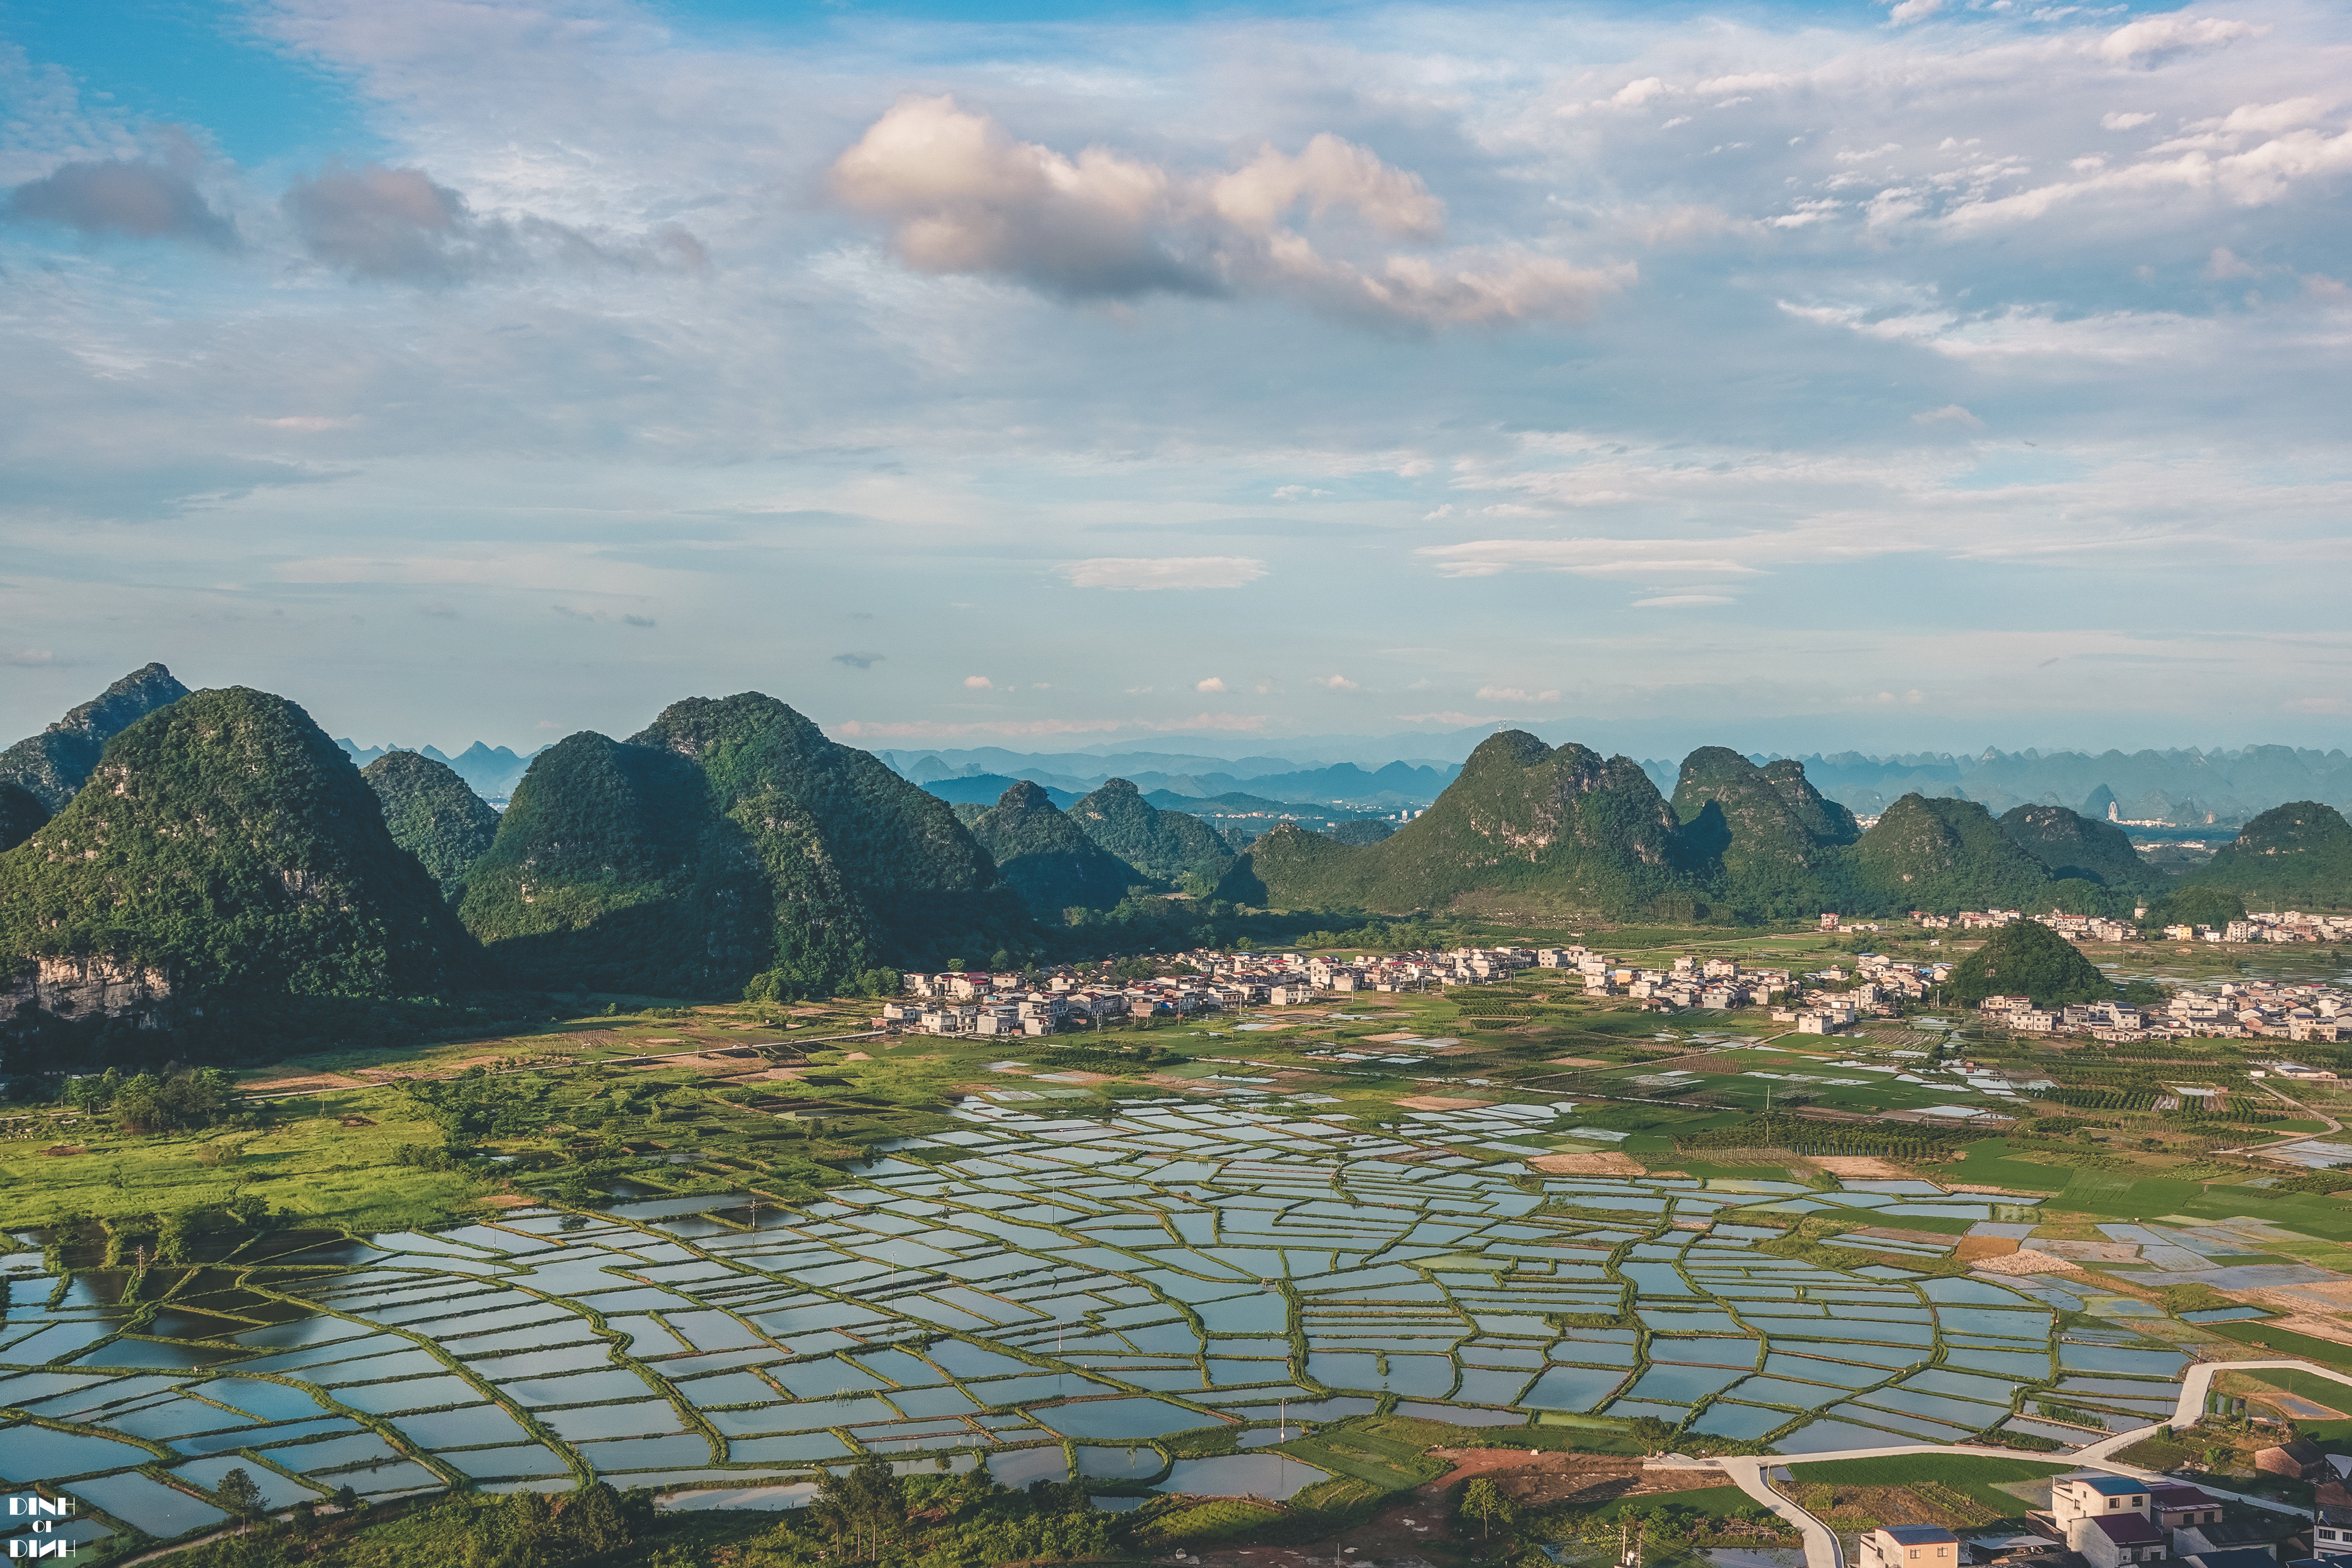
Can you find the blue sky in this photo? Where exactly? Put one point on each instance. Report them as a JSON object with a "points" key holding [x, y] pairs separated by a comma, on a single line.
{"points": [[1925, 373]]}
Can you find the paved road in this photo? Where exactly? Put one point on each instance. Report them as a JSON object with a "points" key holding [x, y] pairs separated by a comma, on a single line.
{"points": [[1822, 1548]]}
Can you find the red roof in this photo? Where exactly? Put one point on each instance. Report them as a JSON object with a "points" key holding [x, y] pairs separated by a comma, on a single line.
{"points": [[2128, 1529]]}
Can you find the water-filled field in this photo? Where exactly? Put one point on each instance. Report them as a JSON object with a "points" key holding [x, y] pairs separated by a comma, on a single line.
{"points": [[1032, 1292]]}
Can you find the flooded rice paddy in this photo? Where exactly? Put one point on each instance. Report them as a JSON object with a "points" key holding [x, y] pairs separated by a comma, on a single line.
{"points": [[1037, 1293]]}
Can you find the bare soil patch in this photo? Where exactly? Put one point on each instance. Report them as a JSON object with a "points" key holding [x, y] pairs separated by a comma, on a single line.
{"points": [[1609, 1165], [1439, 1102], [1865, 1167], [1974, 1249]]}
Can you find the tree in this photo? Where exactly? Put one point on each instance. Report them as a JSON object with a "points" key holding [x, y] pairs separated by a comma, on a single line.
{"points": [[1650, 1432], [1486, 1500], [238, 1495], [864, 1503]]}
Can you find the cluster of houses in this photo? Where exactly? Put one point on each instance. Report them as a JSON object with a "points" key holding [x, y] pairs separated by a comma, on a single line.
{"points": [[969, 1001], [2290, 925], [1721, 983], [2249, 1009], [2080, 927], [2109, 1522]]}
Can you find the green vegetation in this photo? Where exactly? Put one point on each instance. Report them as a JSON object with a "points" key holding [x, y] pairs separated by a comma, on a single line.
{"points": [[2078, 847], [2298, 854], [433, 814], [236, 852], [1773, 835], [2193, 906], [731, 849], [1167, 846], [55, 763], [1046, 858], [1944, 854], [21, 815], [1524, 826], [1528, 833], [2026, 958]]}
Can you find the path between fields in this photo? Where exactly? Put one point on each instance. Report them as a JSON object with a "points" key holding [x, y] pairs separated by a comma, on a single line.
{"points": [[2259, 1149], [1823, 1548]]}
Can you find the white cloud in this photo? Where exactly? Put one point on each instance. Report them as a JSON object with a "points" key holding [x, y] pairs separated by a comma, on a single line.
{"points": [[1338, 683], [978, 683], [2125, 119], [1950, 414], [962, 196], [1214, 683], [1514, 694], [1908, 11], [1163, 572], [2223, 263], [2171, 34]]}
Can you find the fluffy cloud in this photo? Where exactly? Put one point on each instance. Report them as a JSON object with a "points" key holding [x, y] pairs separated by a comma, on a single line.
{"points": [[132, 197], [1166, 572], [1213, 683], [962, 196], [2151, 37], [978, 683]]}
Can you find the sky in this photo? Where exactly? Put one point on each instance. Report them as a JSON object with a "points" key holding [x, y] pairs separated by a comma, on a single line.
{"points": [[1936, 373]]}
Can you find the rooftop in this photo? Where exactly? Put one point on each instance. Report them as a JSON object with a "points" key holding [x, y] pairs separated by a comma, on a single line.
{"points": [[1920, 1534]]}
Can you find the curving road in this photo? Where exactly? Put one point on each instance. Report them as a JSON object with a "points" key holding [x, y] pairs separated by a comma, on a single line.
{"points": [[1823, 1548]]}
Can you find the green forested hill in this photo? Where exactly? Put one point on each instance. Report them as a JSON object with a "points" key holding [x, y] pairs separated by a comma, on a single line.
{"points": [[1826, 820], [2073, 846], [729, 844], [226, 840], [433, 814], [2026, 958], [1047, 857], [2297, 855], [1525, 828], [1775, 861], [1166, 845], [21, 812], [1533, 830], [54, 763], [1943, 854]]}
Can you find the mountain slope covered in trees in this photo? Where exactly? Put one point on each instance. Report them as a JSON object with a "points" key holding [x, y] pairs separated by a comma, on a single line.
{"points": [[730, 844], [2295, 854], [1525, 828], [233, 847], [433, 814], [1047, 858], [1528, 829], [54, 763], [1167, 845]]}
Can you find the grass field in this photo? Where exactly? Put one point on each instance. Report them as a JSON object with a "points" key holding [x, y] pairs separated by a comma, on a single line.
{"points": [[2266, 1340], [306, 1163], [1977, 1478]]}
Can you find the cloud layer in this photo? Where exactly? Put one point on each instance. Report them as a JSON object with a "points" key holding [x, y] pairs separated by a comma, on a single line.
{"points": [[1224, 374]]}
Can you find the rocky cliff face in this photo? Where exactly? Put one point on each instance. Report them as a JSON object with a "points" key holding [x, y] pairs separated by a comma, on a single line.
{"points": [[79, 988], [58, 762]]}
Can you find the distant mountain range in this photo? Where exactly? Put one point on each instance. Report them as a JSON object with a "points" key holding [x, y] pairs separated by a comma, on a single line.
{"points": [[1533, 832], [2183, 788], [490, 771]]}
